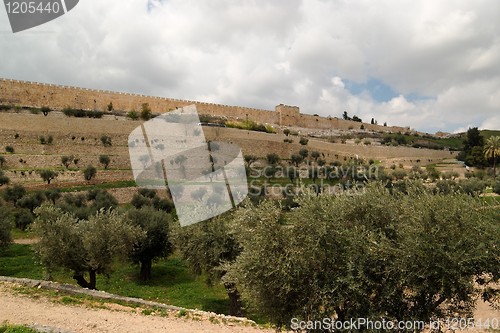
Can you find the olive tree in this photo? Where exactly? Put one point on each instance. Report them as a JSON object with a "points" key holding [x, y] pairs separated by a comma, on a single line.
{"points": [[48, 175], [157, 242], [84, 247], [373, 254], [6, 225], [207, 247], [104, 160], [3, 179]]}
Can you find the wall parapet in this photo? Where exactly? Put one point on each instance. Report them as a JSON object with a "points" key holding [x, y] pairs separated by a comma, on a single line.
{"points": [[35, 94]]}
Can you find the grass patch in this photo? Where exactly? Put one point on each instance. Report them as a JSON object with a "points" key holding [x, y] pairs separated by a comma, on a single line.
{"points": [[104, 186], [16, 329], [172, 281]]}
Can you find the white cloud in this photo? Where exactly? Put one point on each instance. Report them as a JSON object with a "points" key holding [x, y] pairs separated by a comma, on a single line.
{"points": [[260, 53]]}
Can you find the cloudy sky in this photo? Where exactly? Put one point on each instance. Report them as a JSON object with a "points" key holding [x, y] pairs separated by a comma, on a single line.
{"points": [[431, 65]]}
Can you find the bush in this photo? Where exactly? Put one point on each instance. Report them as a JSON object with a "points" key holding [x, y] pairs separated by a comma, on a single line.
{"points": [[66, 160], [4, 180], [496, 188], [146, 113], [472, 186], [89, 172], [6, 225], [132, 115], [48, 175], [106, 141], [5, 107], [303, 141], [9, 149], [104, 160]]}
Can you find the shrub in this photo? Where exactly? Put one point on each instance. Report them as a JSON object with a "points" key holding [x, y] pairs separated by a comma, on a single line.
{"points": [[48, 175], [496, 188], [132, 115], [6, 225], [42, 140], [4, 180], [367, 142], [89, 172], [286, 131], [303, 141], [66, 160], [9, 149], [357, 141], [146, 113], [106, 141], [104, 160], [2, 161]]}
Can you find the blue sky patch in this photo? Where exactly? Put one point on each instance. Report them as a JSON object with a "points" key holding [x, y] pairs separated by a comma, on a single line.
{"points": [[376, 88]]}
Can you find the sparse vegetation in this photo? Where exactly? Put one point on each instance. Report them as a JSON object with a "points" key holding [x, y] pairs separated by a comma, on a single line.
{"points": [[48, 175], [104, 160], [146, 113], [133, 115], [106, 141], [89, 172], [9, 149]]}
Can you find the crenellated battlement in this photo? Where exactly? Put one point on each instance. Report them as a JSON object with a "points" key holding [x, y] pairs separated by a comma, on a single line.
{"points": [[36, 94]]}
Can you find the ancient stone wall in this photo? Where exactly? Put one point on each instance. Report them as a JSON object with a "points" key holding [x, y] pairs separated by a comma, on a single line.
{"points": [[32, 94]]}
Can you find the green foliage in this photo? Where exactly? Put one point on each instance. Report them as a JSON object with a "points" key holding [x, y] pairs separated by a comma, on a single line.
{"points": [[104, 160], [148, 197], [250, 125], [78, 113], [9, 149], [110, 106], [16, 329], [146, 113], [496, 187], [6, 225], [296, 159], [208, 247], [4, 180], [48, 175], [133, 115], [303, 141], [106, 141], [303, 152], [157, 242], [249, 159], [272, 159], [66, 160], [13, 194], [82, 245], [373, 254], [286, 131], [89, 172]]}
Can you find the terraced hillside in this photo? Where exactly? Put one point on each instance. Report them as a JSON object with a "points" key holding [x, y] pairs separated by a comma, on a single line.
{"points": [[40, 143]]}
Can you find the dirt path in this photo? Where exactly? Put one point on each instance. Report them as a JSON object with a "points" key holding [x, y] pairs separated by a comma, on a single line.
{"points": [[25, 310]]}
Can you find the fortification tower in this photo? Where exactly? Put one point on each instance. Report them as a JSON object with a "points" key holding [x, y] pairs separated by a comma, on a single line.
{"points": [[288, 115]]}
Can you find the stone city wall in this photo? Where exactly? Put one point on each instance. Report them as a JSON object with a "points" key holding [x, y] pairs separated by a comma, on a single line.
{"points": [[33, 94]]}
